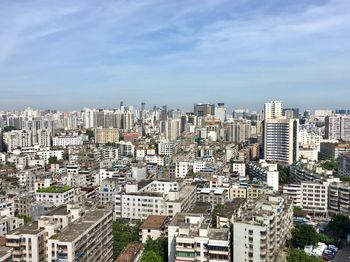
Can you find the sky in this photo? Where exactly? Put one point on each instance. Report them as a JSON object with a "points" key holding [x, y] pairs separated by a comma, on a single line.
{"points": [[65, 55]]}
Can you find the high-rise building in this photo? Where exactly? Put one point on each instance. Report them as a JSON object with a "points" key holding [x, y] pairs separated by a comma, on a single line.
{"points": [[171, 128], [220, 112], [260, 234], [204, 109], [44, 138], [337, 127], [344, 165], [291, 112], [281, 140], [106, 135], [272, 110]]}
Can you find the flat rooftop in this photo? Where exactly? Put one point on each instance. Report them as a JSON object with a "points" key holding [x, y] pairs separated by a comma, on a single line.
{"points": [[31, 228], [154, 222], [59, 211], [78, 227], [231, 207]]}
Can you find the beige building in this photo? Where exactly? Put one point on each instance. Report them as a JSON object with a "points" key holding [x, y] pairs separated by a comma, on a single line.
{"points": [[106, 135], [153, 227]]}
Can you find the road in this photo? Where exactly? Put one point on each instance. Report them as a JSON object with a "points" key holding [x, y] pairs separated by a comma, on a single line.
{"points": [[343, 255]]}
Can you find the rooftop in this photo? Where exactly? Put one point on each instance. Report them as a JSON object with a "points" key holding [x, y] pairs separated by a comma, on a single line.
{"points": [[130, 252], [54, 189], [31, 228], [78, 227], [230, 207], [154, 222], [59, 211]]}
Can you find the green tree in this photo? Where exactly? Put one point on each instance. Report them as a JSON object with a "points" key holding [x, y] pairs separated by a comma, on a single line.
{"points": [[304, 235], [124, 234], [53, 160], [150, 256], [217, 209], [283, 174], [330, 165], [297, 255], [26, 219], [90, 133], [339, 226], [159, 246]]}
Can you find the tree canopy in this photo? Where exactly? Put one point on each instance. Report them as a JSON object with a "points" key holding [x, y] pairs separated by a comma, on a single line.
{"points": [[124, 234], [217, 209], [339, 226], [150, 256], [304, 235], [330, 165], [159, 246], [298, 255], [53, 160]]}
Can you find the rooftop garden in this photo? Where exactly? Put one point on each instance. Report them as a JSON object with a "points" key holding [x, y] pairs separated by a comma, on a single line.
{"points": [[54, 189]]}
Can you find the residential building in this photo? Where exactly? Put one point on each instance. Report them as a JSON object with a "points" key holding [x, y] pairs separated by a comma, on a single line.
{"points": [[339, 198], [204, 109], [332, 150], [55, 195], [344, 165], [281, 140], [261, 232], [106, 135], [90, 237], [191, 239], [265, 172], [153, 227], [64, 141]]}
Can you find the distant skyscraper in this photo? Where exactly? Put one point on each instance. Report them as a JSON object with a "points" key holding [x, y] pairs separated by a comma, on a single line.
{"points": [[291, 112], [273, 110], [204, 109], [220, 112], [337, 127]]}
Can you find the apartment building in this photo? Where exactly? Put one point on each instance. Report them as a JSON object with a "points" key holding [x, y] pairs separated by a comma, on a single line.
{"points": [[261, 231], [265, 172], [281, 140], [191, 239], [153, 227], [339, 198], [106, 135], [331, 150], [307, 171], [311, 196], [64, 141], [162, 197], [89, 238], [344, 165], [213, 195], [248, 191], [57, 195]]}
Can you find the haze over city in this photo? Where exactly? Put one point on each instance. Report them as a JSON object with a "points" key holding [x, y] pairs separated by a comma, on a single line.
{"points": [[71, 54]]}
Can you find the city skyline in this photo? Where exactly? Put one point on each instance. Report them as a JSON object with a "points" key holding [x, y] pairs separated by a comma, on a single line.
{"points": [[68, 55]]}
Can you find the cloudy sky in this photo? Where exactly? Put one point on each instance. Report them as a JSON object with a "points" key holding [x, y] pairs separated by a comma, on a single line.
{"points": [[69, 54]]}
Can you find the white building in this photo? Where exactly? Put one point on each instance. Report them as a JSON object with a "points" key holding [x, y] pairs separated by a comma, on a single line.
{"points": [[191, 239], [263, 171], [64, 141], [281, 140], [239, 167], [259, 234], [55, 195]]}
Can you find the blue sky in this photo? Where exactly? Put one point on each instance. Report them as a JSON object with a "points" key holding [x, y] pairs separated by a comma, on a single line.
{"points": [[70, 54]]}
